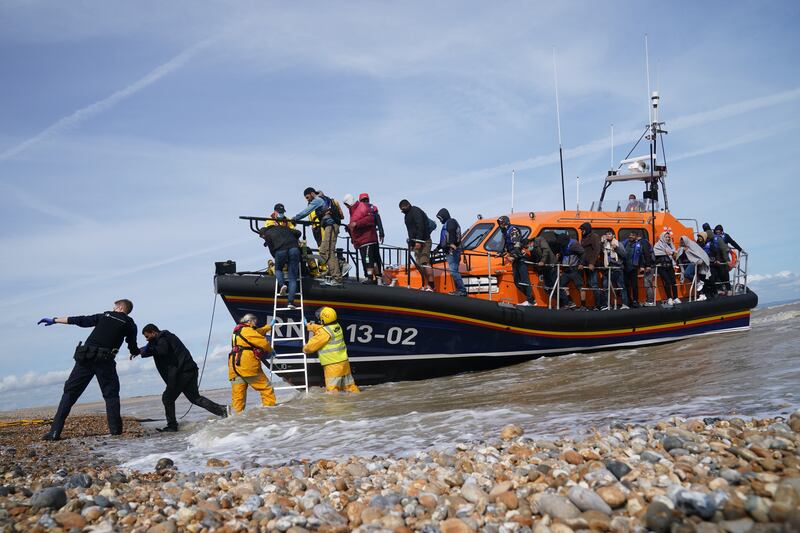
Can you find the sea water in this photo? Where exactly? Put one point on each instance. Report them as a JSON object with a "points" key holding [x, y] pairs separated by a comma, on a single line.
{"points": [[749, 373]]}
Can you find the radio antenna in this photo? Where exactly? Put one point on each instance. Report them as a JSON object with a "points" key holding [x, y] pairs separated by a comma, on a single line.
{"points": [[612, 147], [558, 122], [513, 178], [647, 72]]}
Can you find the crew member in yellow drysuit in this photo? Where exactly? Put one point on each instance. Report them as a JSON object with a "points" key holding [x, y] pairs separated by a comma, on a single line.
{"points": [[248, 345], [328, 342]]}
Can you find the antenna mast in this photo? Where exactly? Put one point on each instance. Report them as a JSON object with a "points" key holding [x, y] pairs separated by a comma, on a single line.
{"points": [[558, 121], [513, 178]]}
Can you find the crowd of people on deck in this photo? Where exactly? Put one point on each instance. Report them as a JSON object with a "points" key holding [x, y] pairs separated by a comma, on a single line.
{"points": [[591, 263]]}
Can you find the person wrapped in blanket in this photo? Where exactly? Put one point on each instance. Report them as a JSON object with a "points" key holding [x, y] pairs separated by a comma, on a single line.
{"points": [[328, 342]]}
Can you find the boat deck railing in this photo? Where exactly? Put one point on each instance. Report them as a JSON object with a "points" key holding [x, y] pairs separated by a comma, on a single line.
{"points": [[397, 257]]}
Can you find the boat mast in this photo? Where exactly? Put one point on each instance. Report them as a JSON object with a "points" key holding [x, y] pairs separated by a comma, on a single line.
{"points": [[651, 106], [558, 121]]}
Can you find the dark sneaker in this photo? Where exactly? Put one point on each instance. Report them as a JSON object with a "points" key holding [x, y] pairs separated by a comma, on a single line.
{"points": [[168, 429], [51, 435]]}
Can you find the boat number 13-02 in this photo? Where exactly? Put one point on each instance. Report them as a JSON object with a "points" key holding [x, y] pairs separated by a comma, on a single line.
{"points": [[364, 333]]}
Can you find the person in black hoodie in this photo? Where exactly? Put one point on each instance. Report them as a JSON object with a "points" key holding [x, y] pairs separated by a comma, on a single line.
{"points": [[178, 370], [419, 239], [450, 244]]}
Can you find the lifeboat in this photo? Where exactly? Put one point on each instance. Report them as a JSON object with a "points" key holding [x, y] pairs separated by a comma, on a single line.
{"points": [[395, 331]]}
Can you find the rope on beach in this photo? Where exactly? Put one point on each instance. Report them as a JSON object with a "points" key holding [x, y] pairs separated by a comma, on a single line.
{"points": [[205, 357], [23, 422]]}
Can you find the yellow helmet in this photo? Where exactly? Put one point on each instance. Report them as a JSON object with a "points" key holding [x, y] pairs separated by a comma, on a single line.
{"points": [[326, 315]]}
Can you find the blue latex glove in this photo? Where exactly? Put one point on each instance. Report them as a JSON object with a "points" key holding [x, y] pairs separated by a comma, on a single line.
{"points": [[47, 321]]}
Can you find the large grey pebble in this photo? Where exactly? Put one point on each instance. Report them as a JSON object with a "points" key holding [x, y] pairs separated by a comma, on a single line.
{"points": [[658, 517], [329, 515], [618, 468], [651, 456], [472, 492], [587, 500], [53, 497], [696, 503], [164, 463], [671, 442], [80, 480], [557, 507]]}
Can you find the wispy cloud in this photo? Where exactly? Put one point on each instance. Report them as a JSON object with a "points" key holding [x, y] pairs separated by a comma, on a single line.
{"points": [[92, 110], [601, 144]]}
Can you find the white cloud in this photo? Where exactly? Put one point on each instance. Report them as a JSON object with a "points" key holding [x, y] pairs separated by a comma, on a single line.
{"points": [[779, 276]]}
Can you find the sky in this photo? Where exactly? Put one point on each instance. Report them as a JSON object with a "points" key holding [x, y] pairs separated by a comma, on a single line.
{"points": [[133, 134]]}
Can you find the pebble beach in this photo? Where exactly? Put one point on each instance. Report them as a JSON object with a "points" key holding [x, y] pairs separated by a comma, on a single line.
{"points": [[706, 475]]}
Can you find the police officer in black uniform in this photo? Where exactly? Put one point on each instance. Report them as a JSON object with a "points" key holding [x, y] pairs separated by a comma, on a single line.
{"points": [[95, 357], [179, 372]]}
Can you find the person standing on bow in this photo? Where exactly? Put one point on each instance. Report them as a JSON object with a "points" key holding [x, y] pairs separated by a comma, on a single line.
{"points": [[328, 342], [612, 259], [592, 248], [419, 228], [179, 372], [514, 245], [95, 357], [363, 229], [666, 255], [330, 215], [450, 244], [249, 347]]}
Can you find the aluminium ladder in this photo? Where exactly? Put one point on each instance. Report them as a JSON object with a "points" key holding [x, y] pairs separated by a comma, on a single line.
{"points": [[284, 330]]}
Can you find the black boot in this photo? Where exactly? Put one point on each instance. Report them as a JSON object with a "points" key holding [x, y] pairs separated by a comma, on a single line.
{"points": [[167, 429], [52, 435]]}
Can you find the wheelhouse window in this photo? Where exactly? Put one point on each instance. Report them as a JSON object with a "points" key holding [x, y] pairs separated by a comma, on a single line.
{"points": [[551, 233], [495, 242], [600, 232], [640, 232], [475, 235]]}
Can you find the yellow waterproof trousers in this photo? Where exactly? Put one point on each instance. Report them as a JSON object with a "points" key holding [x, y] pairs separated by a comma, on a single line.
{"points": [[338, 377], [259, 382]]}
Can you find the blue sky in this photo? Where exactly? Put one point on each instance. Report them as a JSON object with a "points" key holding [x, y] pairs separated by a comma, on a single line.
{"points": [[132, 135]]}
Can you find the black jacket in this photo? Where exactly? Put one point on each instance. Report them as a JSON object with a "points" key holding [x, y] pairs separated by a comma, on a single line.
{"points": [[170, 355], [417, 224], [280, 238], [110, 329], [451, 233]]}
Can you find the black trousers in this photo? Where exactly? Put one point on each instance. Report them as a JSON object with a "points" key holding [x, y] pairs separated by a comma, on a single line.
{"points": [[632, 286], [370, 258], [82, 373], [186, 383], [522, 278]]}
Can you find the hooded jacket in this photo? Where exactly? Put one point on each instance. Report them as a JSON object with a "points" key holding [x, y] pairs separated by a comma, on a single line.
{"points": [[541, 251], [590, 242], [451, 230], [363, 226], [170, 356]]}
